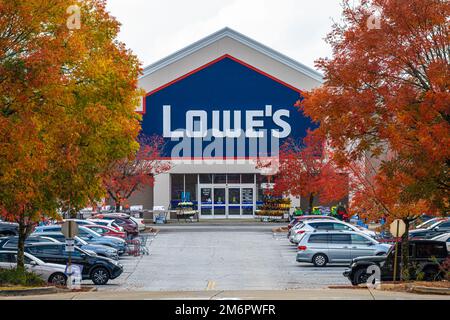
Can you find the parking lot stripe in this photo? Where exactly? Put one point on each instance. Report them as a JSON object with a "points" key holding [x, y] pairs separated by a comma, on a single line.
{"points": [[210, 286]]}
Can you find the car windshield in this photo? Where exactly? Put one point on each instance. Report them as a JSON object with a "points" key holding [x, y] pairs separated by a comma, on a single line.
{"points": [[80, 241], [31, 257], [91, 232], [83, 251], [437, 223], [427, 223]]}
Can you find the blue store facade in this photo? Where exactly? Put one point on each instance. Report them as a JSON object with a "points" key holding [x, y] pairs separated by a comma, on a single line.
{"points": [[220, 104]]}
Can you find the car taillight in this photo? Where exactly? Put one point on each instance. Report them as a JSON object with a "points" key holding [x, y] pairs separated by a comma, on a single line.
{"points": [[300, 231], [301, 248]]}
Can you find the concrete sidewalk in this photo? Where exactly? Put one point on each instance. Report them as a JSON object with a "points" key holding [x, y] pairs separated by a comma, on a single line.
{"points": [[310, 294]]}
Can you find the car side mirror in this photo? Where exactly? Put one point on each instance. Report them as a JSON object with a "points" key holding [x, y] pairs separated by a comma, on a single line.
{"points": [[33, 263]]}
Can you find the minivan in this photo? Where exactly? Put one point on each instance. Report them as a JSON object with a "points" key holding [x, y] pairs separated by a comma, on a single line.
{"points": [[323, 247]]}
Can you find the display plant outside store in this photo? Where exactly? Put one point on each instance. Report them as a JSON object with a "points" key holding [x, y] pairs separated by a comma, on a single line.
{"points": [[274, 207]]}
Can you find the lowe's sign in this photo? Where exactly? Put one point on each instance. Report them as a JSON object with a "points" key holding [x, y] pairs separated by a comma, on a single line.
{"points": [[226, 109]]}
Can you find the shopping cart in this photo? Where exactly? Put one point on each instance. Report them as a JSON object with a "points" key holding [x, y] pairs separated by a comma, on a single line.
{"points": [[133, 247], [144, 241]]}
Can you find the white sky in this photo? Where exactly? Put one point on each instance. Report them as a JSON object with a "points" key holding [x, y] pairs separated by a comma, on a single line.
{"points": [[154, 29]]}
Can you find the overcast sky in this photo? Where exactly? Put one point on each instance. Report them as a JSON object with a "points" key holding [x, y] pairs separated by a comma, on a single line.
{"points": [[154, 29]]}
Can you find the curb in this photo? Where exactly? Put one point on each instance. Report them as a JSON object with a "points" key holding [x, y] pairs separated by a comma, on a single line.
{"points": [[430, 290], [41, 291], [29, 292]]}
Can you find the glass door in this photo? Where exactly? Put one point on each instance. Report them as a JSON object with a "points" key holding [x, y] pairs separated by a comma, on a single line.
{"points": [[226, 201], [220, 202], [248, 200], [206, 196], [234, 201]]}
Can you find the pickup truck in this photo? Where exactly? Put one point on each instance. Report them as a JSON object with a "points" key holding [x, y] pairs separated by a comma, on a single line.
{"points": [[425, 255]]}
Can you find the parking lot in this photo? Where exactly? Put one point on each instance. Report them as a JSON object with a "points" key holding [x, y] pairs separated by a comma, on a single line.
{"points": [[227, 256]]}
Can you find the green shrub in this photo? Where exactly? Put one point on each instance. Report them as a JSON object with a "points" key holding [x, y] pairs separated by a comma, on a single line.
{"points": [[18, 277]]}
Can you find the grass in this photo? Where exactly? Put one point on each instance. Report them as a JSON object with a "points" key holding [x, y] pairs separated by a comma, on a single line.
{"points": [[11, 278]]}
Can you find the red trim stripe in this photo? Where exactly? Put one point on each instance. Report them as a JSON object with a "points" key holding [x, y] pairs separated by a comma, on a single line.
{"points": [[144, 109]]}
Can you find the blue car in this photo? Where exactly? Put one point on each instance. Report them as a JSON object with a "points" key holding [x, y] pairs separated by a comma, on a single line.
{"points": [[89, 236]]}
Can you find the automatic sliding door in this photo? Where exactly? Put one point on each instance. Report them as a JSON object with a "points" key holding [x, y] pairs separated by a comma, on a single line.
{"points": [[219, 202], [234, 201]]}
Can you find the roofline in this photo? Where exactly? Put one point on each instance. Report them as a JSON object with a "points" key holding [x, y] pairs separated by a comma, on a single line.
{"points": [[228, 32]]}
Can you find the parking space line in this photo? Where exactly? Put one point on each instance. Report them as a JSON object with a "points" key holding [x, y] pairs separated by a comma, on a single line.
{"points": [[211, 285]]}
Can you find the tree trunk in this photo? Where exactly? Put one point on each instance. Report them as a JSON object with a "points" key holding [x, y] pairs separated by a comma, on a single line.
{"points": [[117, 203], [21, 243], [405, 272], [311, 202]]}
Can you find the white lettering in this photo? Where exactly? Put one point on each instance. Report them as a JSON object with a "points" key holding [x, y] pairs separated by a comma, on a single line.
{"points": [[202, 116], [252, 123], [167, 133], [281, 123], [197, 124]]}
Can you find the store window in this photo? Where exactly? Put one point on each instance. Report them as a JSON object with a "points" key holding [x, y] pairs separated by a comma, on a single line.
{"points": [[220, 178], [261, 183], [206, 178], [177, 187], [248, 178], [190, 189], [234, 178]]}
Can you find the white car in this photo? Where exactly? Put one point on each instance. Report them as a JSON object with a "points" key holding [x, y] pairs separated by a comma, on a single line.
{"points": [[311, 225], [108, 223], [50, 272], [429, 223], [139, 222], [444, 237]]}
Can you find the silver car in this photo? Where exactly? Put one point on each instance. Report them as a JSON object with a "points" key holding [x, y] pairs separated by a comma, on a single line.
{"points": [[50, 272], [322, 247], [444, 237]]}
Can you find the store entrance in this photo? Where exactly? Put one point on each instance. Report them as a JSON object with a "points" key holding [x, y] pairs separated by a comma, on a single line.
{"points": [[223, 201]]}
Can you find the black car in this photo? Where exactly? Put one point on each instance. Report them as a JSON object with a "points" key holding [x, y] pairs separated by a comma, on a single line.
{"points": [[8, 229], [101, 250], [438, 228], [425, 256], [98, 269]]}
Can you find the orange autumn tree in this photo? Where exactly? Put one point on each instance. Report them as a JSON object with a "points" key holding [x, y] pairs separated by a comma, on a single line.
{"points": [[67, 107], [306, 170], [129, 175], [386, 97]]}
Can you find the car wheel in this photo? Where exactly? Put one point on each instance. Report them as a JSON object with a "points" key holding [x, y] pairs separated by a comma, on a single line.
{"points": [[320, 260], [360, 276], [58, 279], [100, 276]]}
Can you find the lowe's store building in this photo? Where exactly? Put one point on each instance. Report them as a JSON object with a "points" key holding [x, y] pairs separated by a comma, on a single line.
{"points": [[219, 104]]}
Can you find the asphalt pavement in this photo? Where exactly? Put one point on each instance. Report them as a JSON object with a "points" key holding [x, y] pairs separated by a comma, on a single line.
{"points": [[221, 256]]}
